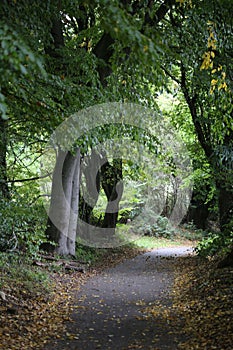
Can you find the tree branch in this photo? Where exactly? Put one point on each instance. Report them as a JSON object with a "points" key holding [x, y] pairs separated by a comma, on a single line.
{"points": [[191, 101], [160, 13], [171, 75], [31, 179], [104, 48]]}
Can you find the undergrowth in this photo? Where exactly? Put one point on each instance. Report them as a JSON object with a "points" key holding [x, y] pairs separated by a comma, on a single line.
{"points": [[19, 273]]}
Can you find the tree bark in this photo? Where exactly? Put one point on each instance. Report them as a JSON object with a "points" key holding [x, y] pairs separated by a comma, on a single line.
{"points": [[111, 177], [63, 214], [72, 231], [4, 190], [90, 195]]}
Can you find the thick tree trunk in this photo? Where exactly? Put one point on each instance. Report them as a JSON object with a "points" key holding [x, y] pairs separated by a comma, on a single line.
{"points": [[63, 212], [72, 231], [4, 191]]}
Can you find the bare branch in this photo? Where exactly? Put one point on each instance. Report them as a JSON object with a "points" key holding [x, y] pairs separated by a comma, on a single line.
{"points": [[31, 179]]}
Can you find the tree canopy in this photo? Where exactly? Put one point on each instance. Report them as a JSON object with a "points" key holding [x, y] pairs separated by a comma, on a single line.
{"points": [[59, 57]]}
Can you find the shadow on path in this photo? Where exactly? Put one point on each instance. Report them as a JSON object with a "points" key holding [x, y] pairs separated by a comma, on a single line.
{"points": [[109, 313]]}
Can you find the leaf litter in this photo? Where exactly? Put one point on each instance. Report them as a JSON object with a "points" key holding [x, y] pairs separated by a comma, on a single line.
{"points": [[30, 318], [199, 310]]}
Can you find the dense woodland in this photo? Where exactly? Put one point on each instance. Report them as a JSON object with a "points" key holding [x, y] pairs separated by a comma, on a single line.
{"points": [[59, 57]]}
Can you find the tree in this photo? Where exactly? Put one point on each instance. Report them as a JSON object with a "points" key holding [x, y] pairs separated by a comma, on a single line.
{"points": [[206, 81], [64, 202], [103, 49], [63, 56], [207, 89], [4, 191]]}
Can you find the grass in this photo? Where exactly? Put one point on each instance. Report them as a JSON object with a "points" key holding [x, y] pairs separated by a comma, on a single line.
{"points": [[153, 242], [181, 236]]}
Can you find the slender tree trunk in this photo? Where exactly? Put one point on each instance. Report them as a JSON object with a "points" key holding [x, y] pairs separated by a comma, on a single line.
{"points": [[113, 188], [4, 190], [225, 203]]}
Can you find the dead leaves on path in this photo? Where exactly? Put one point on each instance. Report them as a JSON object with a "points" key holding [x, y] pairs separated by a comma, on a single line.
{"points": [[36, 317], [202, 305], [199, 312], [28, 321]]}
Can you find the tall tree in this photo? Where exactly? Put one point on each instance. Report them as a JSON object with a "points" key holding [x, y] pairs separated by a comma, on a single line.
{"points": [[104, 49], [62, 56]]}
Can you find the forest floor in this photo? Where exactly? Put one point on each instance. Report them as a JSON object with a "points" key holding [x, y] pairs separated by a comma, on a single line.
{"points": [[162, 299]]}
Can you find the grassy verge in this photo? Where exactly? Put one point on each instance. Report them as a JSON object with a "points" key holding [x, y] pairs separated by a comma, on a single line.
{"points": [[152, 242]]}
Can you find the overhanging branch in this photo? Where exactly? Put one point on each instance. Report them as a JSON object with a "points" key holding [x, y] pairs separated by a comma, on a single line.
{"points": [[30, 179]]}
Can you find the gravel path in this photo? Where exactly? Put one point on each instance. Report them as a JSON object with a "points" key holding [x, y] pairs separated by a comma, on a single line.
{"points": [[109, 312]]}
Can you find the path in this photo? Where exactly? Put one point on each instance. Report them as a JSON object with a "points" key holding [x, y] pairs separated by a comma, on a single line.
{"points": [[109, 311]]}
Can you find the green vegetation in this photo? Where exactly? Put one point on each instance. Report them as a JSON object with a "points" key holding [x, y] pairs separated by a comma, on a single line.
{"points": [[215, 243], [17, 274], [57, 59]]}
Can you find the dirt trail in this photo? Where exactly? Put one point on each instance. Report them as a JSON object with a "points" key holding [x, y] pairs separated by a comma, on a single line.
{"points": [[110, 309]]}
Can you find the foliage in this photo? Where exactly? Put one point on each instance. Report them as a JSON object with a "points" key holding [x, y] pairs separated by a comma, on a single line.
{"points": [[22, 226], [88, 254], [17, 61], [15, 267], [215, 243], [190, 231], [44, 81], [159, 227]]}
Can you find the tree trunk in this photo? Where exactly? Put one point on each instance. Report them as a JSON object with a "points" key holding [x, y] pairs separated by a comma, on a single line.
{"points": [[222, 174], [63, 213], [113, 188], [4, 190], [225, 202], [90, 195], [72, 232]]}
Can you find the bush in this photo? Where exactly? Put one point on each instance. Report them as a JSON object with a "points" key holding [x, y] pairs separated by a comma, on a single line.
{"points": [[215, 243], [191, 232], [161, 228], [22, 226], [124, 215]]}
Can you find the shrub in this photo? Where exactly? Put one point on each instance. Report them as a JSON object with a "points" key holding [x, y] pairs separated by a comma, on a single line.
{"points": [[214, 243], [160, 227], [22, 226]]}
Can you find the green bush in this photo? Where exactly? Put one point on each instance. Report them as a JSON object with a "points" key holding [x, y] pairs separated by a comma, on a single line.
{"points": [[160, 228], [191, 232], [214, 243], [124, 215], [22, 226]]}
